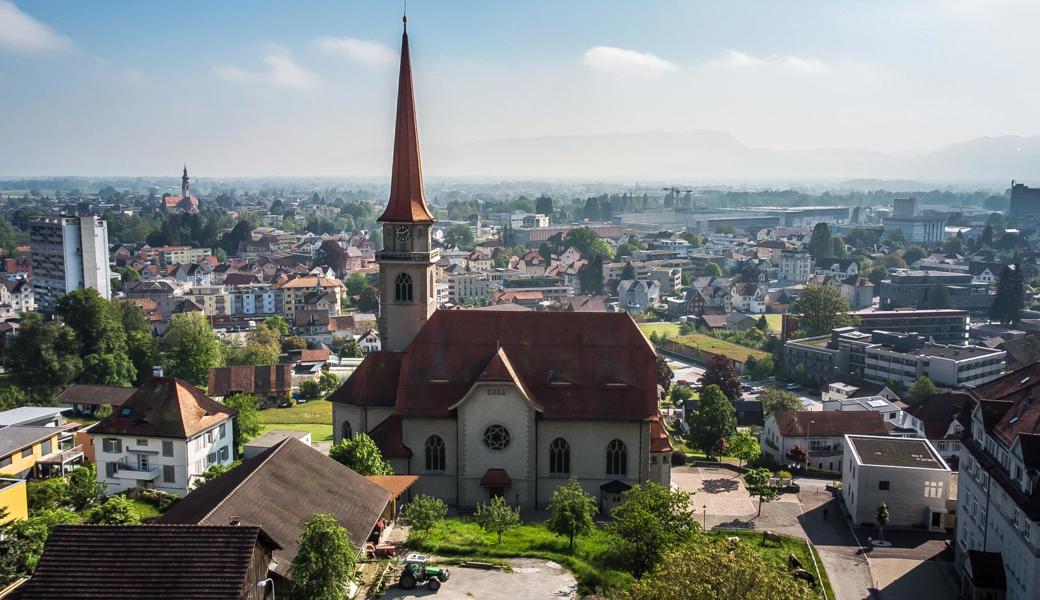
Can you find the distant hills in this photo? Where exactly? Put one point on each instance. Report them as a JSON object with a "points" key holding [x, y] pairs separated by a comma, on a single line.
{"points": [[714, 156]]}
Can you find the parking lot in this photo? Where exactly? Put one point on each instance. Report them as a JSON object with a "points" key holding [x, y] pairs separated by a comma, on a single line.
{"points": [[530, 579]]}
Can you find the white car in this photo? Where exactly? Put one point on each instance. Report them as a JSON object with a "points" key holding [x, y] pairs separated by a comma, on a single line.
{"points": [[792, 386]]}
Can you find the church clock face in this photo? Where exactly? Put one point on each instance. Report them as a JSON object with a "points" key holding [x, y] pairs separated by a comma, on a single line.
{"points": [[403, 233]]}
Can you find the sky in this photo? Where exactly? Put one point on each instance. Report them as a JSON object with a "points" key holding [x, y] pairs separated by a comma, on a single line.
{"points": [[259, 87]]}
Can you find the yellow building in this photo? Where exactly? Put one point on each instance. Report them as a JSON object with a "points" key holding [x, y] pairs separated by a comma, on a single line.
{"points": [[36, 451], [13, 500], [312, 293]]}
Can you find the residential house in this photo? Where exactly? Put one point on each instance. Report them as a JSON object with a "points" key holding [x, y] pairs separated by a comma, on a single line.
{"points": [[638, 295], [164, 436], [226, 561], [942, 419], [33, 451], [32, 416], [820, 433], [312, 293], [14, 501], [998, 495], [795, 266], [842, 268], [749, 298], [85, 399], [16, 297], [370, 341]]}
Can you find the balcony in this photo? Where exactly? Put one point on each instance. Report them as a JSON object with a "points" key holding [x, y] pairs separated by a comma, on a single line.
{"points": [[127, 471]]}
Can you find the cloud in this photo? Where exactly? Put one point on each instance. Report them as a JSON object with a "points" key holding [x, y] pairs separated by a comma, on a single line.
{"points": [[280, 71], [733, 59], [371, 54], [621, 60], [21, 32]]}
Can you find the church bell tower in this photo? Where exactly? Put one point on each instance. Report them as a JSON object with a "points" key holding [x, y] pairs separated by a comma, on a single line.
{"points": [[407, 259]]}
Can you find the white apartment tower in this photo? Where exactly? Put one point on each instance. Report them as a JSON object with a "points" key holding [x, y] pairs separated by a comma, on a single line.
{"points": [[68, 253]]}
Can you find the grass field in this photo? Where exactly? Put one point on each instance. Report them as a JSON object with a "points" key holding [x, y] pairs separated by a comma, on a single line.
{"points": [[462, 537], [778, 554], [722, 347], [145, 510], [671, 329], [775, 322], [314, 416]]}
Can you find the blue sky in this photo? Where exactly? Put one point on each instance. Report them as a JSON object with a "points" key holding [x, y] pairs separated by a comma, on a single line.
{"points": [[299, 88]]}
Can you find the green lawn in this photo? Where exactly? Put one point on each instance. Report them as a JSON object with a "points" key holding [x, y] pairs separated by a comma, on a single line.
{"points": [[313, 411], [775, 322], [671, 329], [721, 347], [462, 537], [778, 554], [145, 510], [314, 416], [320, 432]]}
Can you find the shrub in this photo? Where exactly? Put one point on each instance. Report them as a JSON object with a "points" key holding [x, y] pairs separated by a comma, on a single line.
{"points": [[782, 474], [678, 459]]}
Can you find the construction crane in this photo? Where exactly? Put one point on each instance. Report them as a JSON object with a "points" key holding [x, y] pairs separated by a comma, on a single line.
{"points": [[674, 191]]}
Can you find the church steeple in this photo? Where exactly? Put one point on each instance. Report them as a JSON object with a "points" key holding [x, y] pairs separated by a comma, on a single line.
{"points": [[407, 203], [406, 261], [184, 182]]}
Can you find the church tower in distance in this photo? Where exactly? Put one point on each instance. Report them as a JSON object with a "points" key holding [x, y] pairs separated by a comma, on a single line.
{"points": [[406, 262]]}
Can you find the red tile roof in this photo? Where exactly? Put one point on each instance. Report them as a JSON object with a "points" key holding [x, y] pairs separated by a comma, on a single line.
{"points": [[659, 441], [1017, 407], [575, 365], [389, 437], [164, 407], [407, 203]]}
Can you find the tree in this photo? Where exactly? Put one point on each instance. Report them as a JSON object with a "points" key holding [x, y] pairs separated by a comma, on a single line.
{"points": [[759, 368], [797, 455], [762, 323], [628, 271], [191, 349], [1007, 305], [877, 274], [882, 517], [714, 568], [277, 323], [117, 510], [22, 542], [590, 277], [310, 389], [954, 245], [143, 351], [351, 349], [83, 488], [713, 420], [712, 270], [572, 510], [589, 243], [936, 297], [720, 372], [779, 400], [680, 394], [921, 390], [838, 247], [247, 419], [758, 484], [820, 309], [664, 373], [356, 283], [744, 445], [14, 397], [423, 512], [369, 300], [102, 338], [324, 563], [820, 244], [543, 205], [361, 454], [987, 237], [649, 519], [47, 494], [43, 356], [328, 382], [459, 235], [294, 342], [913, 254], [497, 516]]}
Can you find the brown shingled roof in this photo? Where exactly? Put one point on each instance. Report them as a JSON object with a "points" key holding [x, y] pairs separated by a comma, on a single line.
{"points": [[831, 423], [133, 562], [373, 383], [164, 407], [280, 489], [82, 393]]}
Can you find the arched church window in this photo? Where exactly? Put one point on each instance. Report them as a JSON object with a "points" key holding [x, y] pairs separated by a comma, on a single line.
{"points": [[403, 288], [617, 458], [559, 456], [434, 453], [345, 430]]}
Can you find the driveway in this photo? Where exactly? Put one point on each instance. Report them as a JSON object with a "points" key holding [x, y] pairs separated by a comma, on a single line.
{"points": [[531, 579]]}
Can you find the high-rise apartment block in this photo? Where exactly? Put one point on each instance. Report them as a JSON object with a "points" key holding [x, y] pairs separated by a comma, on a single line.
{"points": [[68, 253]]}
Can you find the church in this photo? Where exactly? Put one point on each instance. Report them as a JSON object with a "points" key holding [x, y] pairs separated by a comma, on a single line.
{"points": [[485, 403]]}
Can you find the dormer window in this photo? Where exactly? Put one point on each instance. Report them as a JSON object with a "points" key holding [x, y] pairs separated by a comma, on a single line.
{"points": [[124, 412]]}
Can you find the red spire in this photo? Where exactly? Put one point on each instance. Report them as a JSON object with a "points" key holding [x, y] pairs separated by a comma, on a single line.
{"points": [[407, 203]]}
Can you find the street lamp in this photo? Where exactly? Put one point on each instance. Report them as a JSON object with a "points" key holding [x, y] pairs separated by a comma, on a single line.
{"points": [[263, 585], [704, 521]]}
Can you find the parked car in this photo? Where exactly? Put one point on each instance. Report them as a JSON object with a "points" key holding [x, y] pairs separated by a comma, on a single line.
{"points": [[792, 386]]}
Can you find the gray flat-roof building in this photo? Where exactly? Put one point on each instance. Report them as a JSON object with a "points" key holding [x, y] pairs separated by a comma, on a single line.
{"points": [[905, 474], [907, 288]]}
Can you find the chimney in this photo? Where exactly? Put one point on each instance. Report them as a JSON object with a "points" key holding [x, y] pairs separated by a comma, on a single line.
{"points": [[157, 371]]}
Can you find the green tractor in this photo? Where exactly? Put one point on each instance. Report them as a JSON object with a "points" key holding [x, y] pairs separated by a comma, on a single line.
{"points": [[416, 571]]}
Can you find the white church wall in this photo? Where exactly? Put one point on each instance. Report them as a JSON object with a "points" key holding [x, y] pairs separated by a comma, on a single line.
{"points": [[441, 484]]}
